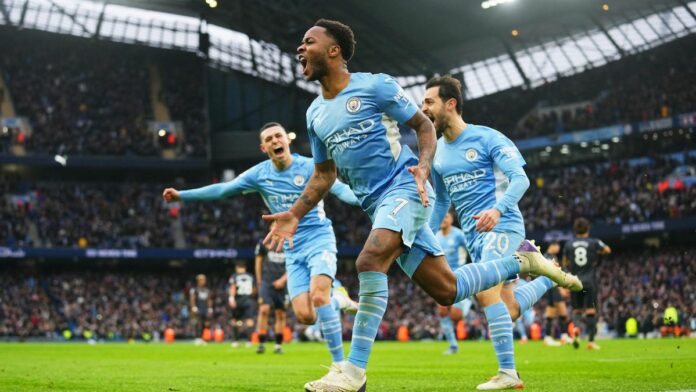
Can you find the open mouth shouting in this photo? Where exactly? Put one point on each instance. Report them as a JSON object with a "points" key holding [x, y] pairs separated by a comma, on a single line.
{"points": [[304, 64]]}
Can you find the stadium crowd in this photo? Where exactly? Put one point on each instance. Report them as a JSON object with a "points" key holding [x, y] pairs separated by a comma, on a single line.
{"points": [[92, 98], [121, 305], [133, 215], [644, 86]]}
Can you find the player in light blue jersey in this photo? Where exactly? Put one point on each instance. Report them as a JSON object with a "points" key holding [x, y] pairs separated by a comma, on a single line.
{"points": [[453, 243], [352, 126], [311, 263], [480, 171]]}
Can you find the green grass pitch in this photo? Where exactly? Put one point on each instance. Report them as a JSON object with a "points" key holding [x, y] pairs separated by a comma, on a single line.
{"points": [[621, 365]]}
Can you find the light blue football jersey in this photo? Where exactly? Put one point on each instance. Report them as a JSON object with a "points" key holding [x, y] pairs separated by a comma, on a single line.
{"points": [[358, 130], [279, 190], [473, 173], [450, 245]]}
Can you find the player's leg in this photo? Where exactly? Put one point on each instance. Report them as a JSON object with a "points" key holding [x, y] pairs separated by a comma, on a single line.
{"points": [[327, 316], [447, 327], [262, 324], [500, 327], [591, 317], [562, 311], [549, 314], [248, 326], [372, 264], [199, 325], [500, 307], [577, 301], [279, 327], [236, 328], [521, 330], [298, 288]]}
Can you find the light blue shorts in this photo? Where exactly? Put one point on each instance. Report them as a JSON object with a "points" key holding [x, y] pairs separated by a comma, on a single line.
{"points": [[401, 210], [495, 245], [303, 264]]}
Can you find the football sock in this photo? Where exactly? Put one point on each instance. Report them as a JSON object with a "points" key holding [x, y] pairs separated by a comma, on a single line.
{"points": [[374, 293], [500, 326], [530, 293], [330, 325], [476, 277], [448, 330], [591, 322], [549, 327]]}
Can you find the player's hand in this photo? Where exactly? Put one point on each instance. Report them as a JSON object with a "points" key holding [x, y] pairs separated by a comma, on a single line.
{"points": [[421, 173], [487, 220], [278, 284], [194, 309], [283, 229], [170, 195], [232, 302]]}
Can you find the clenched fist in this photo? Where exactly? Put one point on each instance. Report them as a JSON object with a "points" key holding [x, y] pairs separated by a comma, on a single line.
{"points": [[170, 195]]}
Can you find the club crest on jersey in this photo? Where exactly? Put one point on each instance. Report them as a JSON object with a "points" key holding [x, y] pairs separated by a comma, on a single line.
{"points": [[353, 104], [471, 155], [298, 180]]}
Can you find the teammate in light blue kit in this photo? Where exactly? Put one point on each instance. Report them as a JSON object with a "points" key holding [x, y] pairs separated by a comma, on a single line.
{"points": [[453, 243], [311, 263], [480, 171], [352, 127]]}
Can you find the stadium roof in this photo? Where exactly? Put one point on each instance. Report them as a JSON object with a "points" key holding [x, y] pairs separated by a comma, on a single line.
{"points": [[409, 39], [417, 36]]}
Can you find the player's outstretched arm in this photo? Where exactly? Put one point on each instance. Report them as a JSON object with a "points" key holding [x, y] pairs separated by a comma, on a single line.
{"points": [[427, 141], [344, 193], [285, 223], [244, 183]]}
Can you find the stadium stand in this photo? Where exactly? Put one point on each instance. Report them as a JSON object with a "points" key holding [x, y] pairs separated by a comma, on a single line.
{"points": [[122, 304], [92, 98]]}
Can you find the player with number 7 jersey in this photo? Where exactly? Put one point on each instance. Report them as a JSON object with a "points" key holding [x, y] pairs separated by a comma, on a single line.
{"points": [[352, 128]]}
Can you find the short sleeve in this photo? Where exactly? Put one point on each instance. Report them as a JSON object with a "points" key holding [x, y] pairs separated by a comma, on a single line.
{"points": [[319, 151], [392, 99]]}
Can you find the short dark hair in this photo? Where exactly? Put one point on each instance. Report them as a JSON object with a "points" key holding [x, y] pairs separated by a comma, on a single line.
{"points": [[342, 34], [240, 263], [449, 88], [269, 125], [581, 226]]}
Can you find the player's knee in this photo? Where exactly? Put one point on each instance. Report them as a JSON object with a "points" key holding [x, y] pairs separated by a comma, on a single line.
{"points": [[306, 318], [371, 259], [445, 296], [265, 310], [320, 298]]}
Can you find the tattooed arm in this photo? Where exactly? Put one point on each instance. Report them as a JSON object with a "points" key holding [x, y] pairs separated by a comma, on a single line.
{"points": [[426, 150], [317, 187], [285, 223]]}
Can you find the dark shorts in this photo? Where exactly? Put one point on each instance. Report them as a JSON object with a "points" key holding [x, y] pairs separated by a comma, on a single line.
{"points": [[245, 309], [553, 296], [278, 299], [585, 299]]}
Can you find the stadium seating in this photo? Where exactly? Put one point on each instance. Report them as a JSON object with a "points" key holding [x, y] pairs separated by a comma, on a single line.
{"points": [[132, 215], [91, 97], [653, 84], [122, 303]]}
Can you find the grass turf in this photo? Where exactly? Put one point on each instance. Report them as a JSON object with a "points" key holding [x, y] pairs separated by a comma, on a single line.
{"points": [[621, 365]]}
